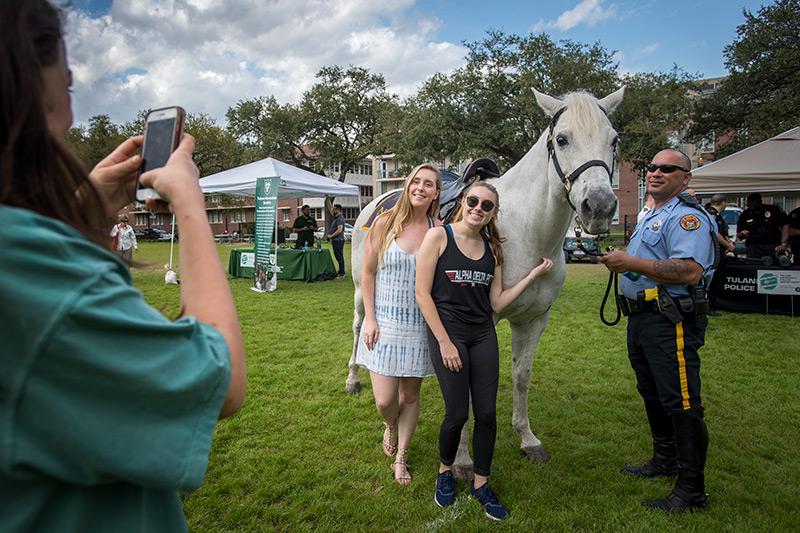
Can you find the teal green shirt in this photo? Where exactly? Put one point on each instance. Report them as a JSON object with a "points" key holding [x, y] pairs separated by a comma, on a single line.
{"points": [[106, 407]]}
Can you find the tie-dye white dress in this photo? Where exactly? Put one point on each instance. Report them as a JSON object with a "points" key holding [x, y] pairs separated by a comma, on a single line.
{"points": [[402, 347]]}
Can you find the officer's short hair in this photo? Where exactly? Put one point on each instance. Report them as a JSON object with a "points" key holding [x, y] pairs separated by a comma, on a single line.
{"points": [[754, 197], [338, 206], [718, 199]]}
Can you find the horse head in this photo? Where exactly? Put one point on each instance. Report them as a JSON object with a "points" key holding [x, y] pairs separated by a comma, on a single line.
{"points": [[581, 146]]}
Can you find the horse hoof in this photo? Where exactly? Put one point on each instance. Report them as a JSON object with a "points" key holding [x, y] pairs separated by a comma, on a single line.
{"points": [[537, 454], [352, 388], [464, 472]]}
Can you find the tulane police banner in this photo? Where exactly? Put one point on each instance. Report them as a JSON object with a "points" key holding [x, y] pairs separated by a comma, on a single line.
{"points": [[747, 288], [265, 273]]}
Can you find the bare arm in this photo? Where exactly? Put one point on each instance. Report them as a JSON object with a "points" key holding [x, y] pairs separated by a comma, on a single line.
{"points": [[501, 298], [205, 293], [428, 255], [677, 271], [369, 329]]}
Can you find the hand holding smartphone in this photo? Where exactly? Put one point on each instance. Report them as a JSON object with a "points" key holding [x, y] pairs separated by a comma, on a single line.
{"points": [[163, 129]]}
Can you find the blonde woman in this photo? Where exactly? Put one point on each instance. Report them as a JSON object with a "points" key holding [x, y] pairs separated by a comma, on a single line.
{"points": [[459, 286], [393, 345]]}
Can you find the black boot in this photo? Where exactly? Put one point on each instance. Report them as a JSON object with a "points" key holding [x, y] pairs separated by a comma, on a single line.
{"points": [[689, 492], [665, 454]]}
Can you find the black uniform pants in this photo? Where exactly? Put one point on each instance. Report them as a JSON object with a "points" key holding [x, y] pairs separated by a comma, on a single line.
{"points": [[664, 357], [479, 376]]}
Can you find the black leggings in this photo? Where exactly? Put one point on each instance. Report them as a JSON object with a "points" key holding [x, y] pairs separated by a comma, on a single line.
{"points": [[477, 347]]}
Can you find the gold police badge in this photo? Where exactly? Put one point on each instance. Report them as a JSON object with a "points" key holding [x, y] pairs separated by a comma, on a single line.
{"points": [[690, 222]]}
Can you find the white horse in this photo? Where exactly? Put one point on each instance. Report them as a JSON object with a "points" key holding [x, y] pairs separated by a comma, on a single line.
{"points": [[567, 171]]}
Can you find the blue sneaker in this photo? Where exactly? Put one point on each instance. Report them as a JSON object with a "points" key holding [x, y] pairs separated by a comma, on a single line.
{"points": [[486, 497], [445, 489]]}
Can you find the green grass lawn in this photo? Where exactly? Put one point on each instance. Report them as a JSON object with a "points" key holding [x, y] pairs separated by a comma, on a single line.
{"points": [[302, 455]]}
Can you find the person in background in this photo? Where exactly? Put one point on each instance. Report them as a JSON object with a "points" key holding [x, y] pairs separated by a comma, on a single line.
{"points": [[304, 225], [646, 208], [761, 227], [125, 239], [107, 407], [336, 234], [665, 271], [394, 344], [790, 237], [459, 287], [716, 207]]}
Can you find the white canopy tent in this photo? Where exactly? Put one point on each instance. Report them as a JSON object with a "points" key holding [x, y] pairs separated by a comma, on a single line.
{"points": [[295, 182], [769, 166]]}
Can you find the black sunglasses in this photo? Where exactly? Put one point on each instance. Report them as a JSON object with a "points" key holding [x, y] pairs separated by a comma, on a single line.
{"points": [[486, 205], [665, 169]]}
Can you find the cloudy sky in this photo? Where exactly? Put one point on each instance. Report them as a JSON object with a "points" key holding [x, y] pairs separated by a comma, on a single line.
{"points": [[206, 55]]}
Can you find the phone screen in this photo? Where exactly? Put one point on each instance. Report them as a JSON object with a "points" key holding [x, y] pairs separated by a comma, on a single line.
{"points": [[158, 144]]}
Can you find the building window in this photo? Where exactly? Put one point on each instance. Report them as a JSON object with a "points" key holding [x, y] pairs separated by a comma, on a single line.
{"points": [[237, 216], [365, 190], [316, 212], [141, 219], [286, 215], [350, 212], [158, 220], [214, 217]]}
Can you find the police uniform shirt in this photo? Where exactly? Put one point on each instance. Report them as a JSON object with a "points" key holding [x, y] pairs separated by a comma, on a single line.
{"points": [[674, 231], [722, 226], [793, 219], [764, 224]]}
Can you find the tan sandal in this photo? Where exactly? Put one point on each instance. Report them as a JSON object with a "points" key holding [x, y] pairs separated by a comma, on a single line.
{"points": [[400, 467], [390, 439]]}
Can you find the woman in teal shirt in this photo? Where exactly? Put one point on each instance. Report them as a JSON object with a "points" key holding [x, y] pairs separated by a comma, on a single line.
{"points": [[106, 407]]}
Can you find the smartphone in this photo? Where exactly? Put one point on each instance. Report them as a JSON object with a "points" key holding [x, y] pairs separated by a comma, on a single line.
{"points": [[163, 129]]}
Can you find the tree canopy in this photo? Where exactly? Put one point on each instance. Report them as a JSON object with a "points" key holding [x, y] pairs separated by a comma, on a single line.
{"points": [[760, 97]]}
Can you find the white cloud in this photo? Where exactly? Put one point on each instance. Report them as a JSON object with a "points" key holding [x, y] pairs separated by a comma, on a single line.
{"points": [[649, 49], [207, 55], [588, 12]]}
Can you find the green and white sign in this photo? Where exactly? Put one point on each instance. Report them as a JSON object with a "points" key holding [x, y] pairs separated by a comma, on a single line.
{"points": [[264, 277], [779, 282]]}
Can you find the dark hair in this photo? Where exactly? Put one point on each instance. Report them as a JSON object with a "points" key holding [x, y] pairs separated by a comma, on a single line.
{"points": [[306, 206], [37, 172], [754, 197], [338, 206]]}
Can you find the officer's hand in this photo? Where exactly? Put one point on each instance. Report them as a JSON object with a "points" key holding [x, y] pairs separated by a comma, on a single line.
{"points": [[615, 261], [744, 234]]}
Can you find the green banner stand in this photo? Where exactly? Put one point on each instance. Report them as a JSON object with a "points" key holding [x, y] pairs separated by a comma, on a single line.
{"points": [[266, 264]]}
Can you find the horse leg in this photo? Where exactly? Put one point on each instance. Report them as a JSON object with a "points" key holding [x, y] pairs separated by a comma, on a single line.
{"points": [[462, 467], [524, 339], [353, 385]]}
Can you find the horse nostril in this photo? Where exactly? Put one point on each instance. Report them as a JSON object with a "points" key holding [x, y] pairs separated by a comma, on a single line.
{"points": [[586, 207]]}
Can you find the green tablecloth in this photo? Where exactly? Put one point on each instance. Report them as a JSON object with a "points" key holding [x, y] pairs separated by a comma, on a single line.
{"points": [[308, 265]]}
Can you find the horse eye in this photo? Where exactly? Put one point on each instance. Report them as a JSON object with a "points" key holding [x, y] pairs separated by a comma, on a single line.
{"points": [[561, 140], [615, 142]]}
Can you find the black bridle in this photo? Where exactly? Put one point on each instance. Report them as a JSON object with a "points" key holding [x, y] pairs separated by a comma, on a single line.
{"points": [[568, 180], [575, 174]]}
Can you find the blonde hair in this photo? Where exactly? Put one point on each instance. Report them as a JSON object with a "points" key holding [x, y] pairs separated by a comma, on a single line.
{"points": [[398, 216], [490, 231]]}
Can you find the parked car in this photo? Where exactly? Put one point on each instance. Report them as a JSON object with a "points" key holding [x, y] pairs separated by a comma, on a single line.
{"points": [[573, 253], [731, 215], [152, 234], [348, 232]]}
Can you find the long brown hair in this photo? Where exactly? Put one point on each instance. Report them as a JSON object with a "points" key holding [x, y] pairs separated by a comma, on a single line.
{"points": [[398, 216], [490, 231], [37, 172]]}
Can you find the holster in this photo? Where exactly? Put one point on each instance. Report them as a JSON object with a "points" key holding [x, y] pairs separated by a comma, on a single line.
{"points": [[667, 307], [700, 300], [622, 303]]}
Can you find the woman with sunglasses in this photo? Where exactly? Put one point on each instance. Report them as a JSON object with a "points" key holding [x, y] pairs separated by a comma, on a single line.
{"points": [[459, 286], [393, 345], [107, 408]]}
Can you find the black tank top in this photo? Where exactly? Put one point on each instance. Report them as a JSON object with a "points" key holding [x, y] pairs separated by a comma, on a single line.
{"points": [[461, 285]]}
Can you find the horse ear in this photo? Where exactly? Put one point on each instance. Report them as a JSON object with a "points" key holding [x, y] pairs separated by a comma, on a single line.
{"points": [[610, 102], [548, 104]]}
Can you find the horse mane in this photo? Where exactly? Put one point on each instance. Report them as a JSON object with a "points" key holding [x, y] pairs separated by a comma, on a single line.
{"points": [[584, 112]]}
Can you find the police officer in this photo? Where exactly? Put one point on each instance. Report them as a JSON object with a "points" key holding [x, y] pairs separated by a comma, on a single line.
{"points": [[791, 235], [760, 225], [671, 254]]}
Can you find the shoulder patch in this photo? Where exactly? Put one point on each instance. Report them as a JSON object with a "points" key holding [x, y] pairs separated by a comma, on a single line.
{"points": [[690, 222]]}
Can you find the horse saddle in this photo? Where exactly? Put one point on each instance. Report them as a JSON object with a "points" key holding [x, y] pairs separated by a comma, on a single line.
{"points": [[453, 187]]}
